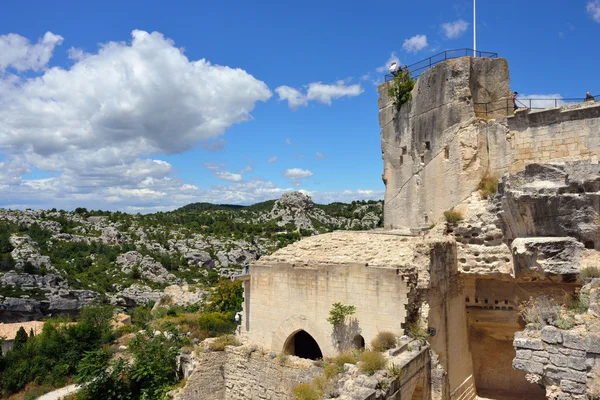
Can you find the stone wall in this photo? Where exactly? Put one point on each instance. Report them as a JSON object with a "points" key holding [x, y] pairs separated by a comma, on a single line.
{"points": [[236, 375], [566, 133], [283, 298], [439, 145], [565, 361], [434, 147]]}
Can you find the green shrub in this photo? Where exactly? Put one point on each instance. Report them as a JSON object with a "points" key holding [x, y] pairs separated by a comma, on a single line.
{"points": [[415, 329], [283, 358], [330, 370], [589, 273], [345, 357], [452, 217], [400, 88], [488, 186], [370, 361], [306, 391], [383, 341], [216, 323], [394, 370], [338, 313], [221, 342], [540, 311]]}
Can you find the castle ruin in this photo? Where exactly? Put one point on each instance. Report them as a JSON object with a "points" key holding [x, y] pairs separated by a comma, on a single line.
{"points": [[464, 282]]}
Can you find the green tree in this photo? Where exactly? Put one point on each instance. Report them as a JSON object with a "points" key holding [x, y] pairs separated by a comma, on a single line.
{"points": [[226, 297], [20, 338], [338, 314]]}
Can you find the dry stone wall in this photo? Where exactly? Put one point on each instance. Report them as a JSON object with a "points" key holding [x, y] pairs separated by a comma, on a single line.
{"points": [[565, 361], [238, 374]]}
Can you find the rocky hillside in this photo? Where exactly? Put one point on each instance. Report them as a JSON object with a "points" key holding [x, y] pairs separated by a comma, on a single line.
{"points": [[56, 262]]}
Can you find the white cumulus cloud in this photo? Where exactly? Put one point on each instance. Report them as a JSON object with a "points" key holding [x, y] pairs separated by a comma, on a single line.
{"points": [[17, 52], [455, 29], [100, 124], [296, 175], [317, 91], [272, 160], [415, 43], [228, 176], [593, 9]]}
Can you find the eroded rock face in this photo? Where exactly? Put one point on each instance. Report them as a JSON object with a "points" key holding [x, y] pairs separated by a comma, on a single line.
{"points": [[15, 310], [553, 200], [71, 301], [49, 281], [135, 295], [546, 257], [147, 266], [435, 149]]}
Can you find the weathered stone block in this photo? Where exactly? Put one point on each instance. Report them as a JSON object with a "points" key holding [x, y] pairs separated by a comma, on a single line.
{"points": [[559, 360], [528, 366], [527, 343], [559, 374], [574, 340], [524, 354], [578, 363], [592, 343], [546, 257], [551, 334], [572, 387]]}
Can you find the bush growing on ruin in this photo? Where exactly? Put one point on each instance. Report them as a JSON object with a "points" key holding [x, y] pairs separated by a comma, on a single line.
{"points": [[221, 342], [306, 391], [400, 88], [383, 341], [488, 187], [394, 370], [338, 314], [283, 358], [345, 357], [539, 311], [370, 361], [589, 273], [416, 330], [452, 217]]}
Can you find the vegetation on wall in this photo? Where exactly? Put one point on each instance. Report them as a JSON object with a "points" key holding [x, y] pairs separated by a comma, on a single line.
{"points": [[488, 187], [339, 312], [400, 88]]}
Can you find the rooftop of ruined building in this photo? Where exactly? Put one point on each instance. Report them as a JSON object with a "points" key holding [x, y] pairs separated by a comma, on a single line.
{"points": [[381, 248]]}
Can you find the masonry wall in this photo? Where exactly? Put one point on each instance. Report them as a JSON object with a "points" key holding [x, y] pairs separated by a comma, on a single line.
{"points": [[433, 147], [567, 133], [232, 375], [438, 146], [447, 315], [287, 298]]}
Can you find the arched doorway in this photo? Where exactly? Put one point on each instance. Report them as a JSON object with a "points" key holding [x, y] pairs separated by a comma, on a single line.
{"points": [[301, 344], [358, 342]]}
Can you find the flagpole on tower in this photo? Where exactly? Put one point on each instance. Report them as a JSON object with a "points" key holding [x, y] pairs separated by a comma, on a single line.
{"points": [[474, 28]]}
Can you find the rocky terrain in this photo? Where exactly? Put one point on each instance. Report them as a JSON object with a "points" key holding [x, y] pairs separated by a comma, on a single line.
{"points": [[53, 261]]}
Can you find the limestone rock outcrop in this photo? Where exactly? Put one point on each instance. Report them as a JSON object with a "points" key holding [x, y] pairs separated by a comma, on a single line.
{"points": [[553, 200], [146, 266]]}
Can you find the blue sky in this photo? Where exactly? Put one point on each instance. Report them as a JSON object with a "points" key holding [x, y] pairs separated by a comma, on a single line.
{"points": [[99, 108]]}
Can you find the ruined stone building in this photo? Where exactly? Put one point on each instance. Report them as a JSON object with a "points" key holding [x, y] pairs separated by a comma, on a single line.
{"points": [[465, 281]]}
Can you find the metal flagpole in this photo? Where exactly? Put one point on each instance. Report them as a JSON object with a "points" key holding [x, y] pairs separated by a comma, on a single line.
{"points": [[474, 28]]}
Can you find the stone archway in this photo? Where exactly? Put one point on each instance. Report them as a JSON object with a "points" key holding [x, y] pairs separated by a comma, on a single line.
{"points": [[298, 323], [302, 344], [358, 342]]}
